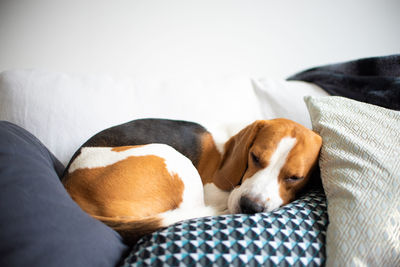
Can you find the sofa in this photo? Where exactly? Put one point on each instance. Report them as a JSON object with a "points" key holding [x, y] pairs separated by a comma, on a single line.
{"points": [[353, 218]]}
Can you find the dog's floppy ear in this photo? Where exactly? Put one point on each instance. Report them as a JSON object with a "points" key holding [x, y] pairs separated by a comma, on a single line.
{"points": [[234, 159]]}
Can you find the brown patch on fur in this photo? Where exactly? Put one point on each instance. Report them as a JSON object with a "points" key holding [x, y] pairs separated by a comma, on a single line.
{"points": [[136, 187], [300, 162], [122, 148], [234, 160], [209, 158]]}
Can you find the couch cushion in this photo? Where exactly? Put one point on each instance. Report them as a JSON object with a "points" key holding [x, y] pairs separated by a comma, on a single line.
{"points": [[40, 225], [360, 171], [283, 99], [63, 110], [293, 235]]}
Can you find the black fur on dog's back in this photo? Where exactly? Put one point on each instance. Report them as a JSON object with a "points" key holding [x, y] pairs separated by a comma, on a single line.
{"points": [[184, 136]]}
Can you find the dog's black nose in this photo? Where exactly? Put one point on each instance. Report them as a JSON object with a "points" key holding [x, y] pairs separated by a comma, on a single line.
{"points": [[249, 206]]}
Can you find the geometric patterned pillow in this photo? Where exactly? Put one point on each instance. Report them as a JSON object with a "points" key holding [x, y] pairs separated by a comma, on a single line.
{"points": [[360, 172], [291, 235]]}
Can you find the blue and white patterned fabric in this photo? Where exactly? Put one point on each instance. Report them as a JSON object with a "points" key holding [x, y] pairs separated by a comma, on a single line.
{"points": [[293, 235]]}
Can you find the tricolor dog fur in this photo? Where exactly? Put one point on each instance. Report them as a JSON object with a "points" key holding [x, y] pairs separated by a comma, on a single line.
{"points": [[147, 174]]}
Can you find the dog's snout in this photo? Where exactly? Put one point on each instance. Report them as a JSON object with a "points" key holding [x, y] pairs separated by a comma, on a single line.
{"points": [[249, 206]]}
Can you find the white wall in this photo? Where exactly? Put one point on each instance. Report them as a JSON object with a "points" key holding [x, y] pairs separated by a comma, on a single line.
{"points": [[163, 38]]}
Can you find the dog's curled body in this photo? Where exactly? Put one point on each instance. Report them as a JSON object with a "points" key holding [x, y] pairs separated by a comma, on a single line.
{"points": [[136, 189], [147, 174]]}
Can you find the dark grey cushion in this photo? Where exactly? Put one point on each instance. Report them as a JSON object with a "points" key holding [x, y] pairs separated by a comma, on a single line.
{"points": [[40, 225]]}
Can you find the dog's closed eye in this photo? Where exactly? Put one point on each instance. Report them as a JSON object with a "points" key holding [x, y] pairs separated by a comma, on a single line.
{"points": [[255, 159], [293, 179]]}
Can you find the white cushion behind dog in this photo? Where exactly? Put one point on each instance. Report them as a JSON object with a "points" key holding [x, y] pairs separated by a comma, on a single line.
{"points": [[279, 98], [63, 109]]}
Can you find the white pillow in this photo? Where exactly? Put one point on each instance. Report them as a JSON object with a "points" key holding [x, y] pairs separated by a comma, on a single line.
{"points": [[223, 105], [360, 171], [64, 110], [215, 101], [284, 99]]}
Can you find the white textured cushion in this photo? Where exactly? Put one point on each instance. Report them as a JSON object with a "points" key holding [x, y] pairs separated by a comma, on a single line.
{"points": [[284, 99], [218, 100], [223, 105], [64, 110], [360, 170]]}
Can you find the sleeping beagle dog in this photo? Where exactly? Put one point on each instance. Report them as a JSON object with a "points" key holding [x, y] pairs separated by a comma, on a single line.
{"points": [[147, 174]]}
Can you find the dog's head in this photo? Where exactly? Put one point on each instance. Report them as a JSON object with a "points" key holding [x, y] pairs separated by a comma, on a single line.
{"points": [[266, 164]]}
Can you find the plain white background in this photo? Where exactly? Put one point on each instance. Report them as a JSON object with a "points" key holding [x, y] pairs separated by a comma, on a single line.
{"points": [[164, 38]]}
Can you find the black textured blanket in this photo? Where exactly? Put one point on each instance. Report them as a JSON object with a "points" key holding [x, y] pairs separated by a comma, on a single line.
{"points": [[372, 80]]}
